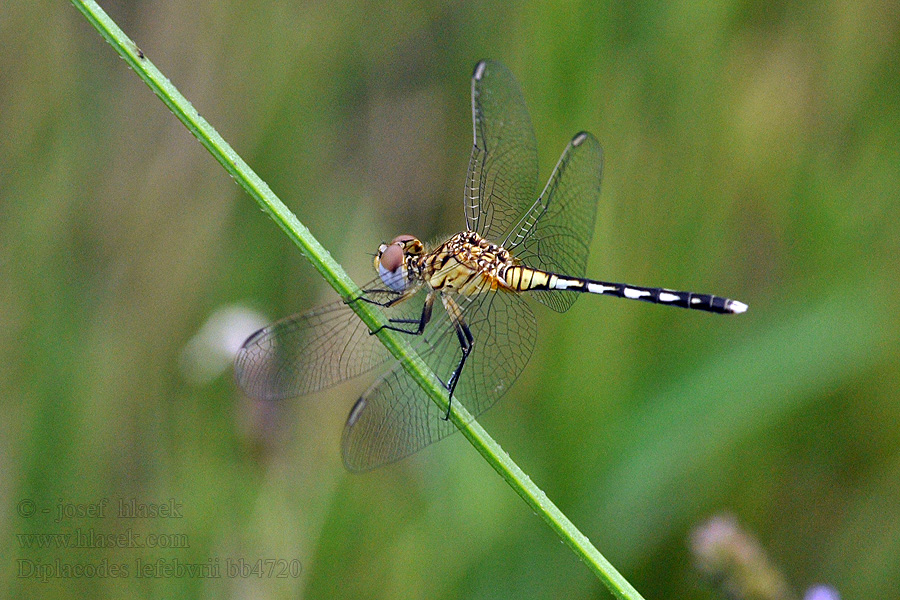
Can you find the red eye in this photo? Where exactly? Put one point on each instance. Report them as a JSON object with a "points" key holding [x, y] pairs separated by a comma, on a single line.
{"points": [[392, 257]]}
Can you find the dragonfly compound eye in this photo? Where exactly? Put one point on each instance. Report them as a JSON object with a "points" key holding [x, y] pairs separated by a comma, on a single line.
{"points": [[391, 268]]}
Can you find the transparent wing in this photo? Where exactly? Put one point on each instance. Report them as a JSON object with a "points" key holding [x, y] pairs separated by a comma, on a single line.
{"points": [[316, 349], [555, 234], [395, 418], [502, 177]]}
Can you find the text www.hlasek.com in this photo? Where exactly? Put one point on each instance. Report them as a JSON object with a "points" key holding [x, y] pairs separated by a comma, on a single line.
{"points": [[88, 538]]}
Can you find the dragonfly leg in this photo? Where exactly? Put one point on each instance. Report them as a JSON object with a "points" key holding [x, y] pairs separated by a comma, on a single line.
{"points": [[420, 323], [466, 343], [394, 296], [397, 297]]}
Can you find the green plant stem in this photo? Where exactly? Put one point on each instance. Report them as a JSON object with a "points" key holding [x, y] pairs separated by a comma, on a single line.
{"points": [[341, 282]]}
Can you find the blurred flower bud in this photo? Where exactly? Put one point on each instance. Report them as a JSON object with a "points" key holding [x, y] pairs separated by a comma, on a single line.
{"points": [[212, 349], [735, 562]]}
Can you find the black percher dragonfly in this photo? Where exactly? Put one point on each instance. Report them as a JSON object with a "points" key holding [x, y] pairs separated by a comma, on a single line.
{"points": [[480, 341]]}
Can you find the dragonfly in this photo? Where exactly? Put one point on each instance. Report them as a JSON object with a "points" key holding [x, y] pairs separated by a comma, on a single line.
{"points": [[461, 302]]}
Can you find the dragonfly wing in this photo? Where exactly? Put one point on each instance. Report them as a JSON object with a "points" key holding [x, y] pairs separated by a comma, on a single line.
{"points": [[555, 234], [395, 418], [311, 351], [502, 175]]}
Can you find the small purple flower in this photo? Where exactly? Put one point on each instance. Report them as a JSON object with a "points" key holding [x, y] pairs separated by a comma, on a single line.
{"points": [[821, 592]]}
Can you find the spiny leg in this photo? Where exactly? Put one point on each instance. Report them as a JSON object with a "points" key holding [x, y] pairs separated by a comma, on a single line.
{"points": [[397, 297], [420, 323], [466, 343]]}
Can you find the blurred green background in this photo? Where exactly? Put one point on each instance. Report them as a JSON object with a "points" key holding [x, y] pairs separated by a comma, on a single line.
{"points": [[752, 150]]}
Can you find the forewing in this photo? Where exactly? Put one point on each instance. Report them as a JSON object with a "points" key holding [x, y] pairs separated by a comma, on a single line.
{"points": [[395, 418], [314, 350], [502, 176], [555, 234]]}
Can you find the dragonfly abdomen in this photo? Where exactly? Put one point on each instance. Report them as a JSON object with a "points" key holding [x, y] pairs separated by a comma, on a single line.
{"points": [[523, 279]]}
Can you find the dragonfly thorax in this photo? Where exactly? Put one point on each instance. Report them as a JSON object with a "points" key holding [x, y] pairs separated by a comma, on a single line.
{"points": [[467, 264]]}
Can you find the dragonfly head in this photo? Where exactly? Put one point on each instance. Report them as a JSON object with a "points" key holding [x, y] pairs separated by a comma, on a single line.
{"points": [[391, 261]]}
